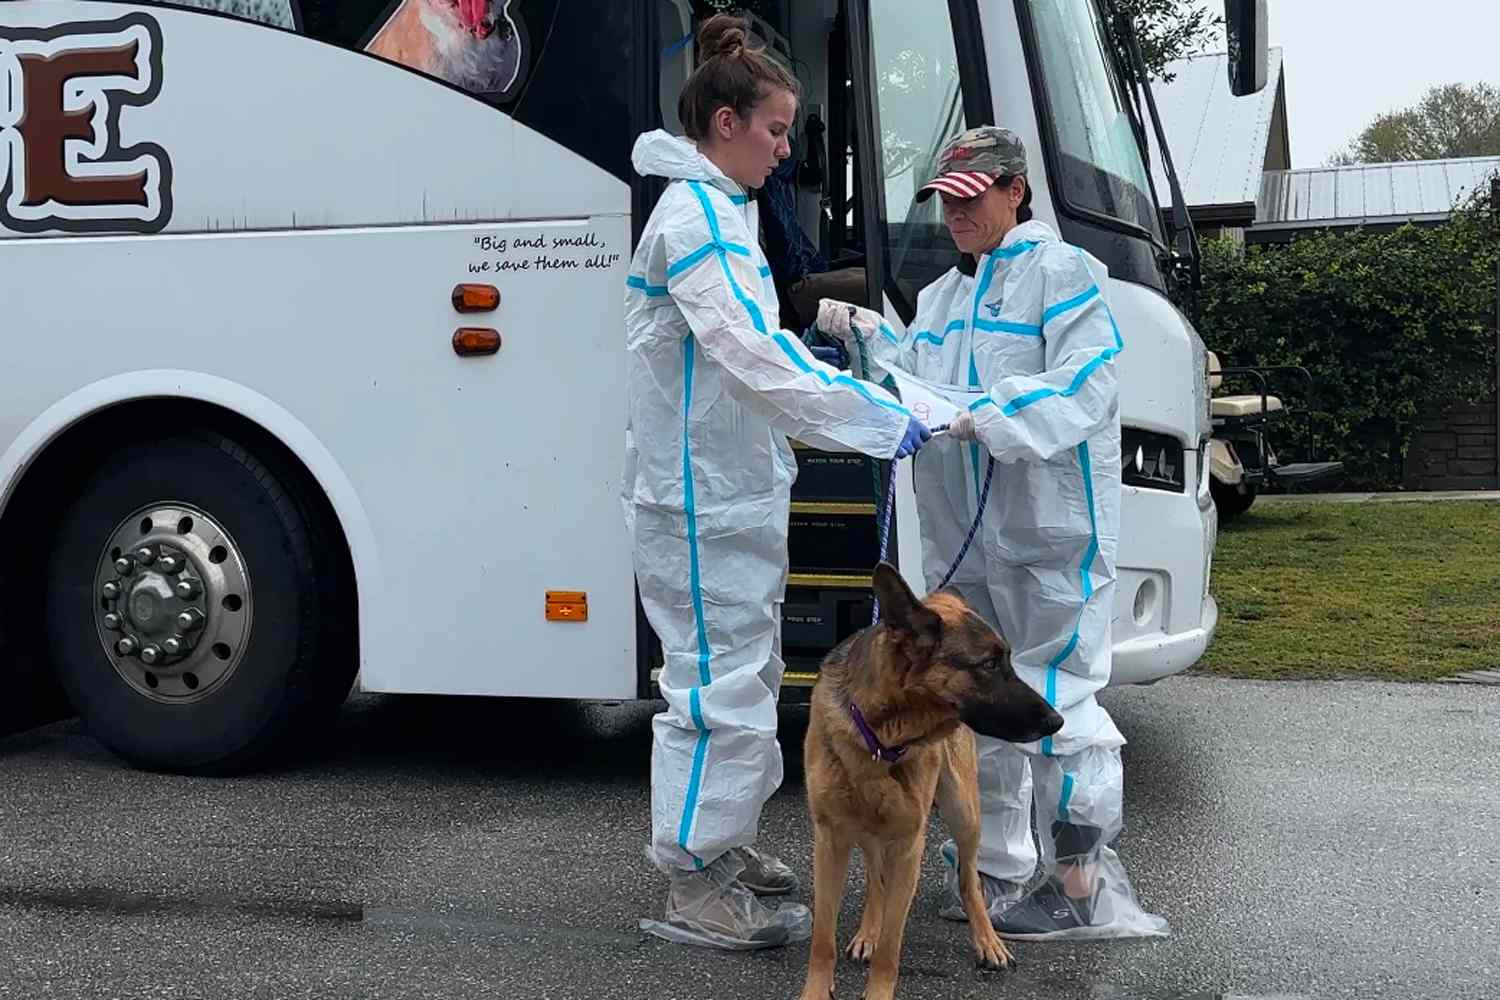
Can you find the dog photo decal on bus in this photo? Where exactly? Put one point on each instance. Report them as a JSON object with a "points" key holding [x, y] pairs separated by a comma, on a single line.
{"points": [[474, 45], [62, 165]]}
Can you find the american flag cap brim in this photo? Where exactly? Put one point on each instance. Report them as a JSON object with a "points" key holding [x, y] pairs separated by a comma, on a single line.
{"points": [[959, 184]]}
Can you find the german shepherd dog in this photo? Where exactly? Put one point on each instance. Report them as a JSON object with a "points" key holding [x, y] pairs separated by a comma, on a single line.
{"points": [[892, 729]]}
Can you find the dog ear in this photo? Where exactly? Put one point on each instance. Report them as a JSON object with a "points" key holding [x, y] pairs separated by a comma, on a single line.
{"points": [[917, 628]]}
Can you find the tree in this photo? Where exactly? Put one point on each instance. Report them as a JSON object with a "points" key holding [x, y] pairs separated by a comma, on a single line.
{"points": [[1451, 121], [1167, 30]]}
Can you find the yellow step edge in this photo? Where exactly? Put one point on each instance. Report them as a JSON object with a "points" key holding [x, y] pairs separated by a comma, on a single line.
{"points": [[851, 581], [820, 507], [795, 678]]}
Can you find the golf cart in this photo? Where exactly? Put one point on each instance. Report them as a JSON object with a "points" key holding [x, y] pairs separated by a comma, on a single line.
{"points": [[1242, 463]]}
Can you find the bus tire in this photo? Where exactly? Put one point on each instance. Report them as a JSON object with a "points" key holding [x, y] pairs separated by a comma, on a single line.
{"points": [[198, 617]]}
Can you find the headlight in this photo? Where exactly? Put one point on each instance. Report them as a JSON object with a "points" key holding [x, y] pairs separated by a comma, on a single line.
{"points": [[1149, 460]]}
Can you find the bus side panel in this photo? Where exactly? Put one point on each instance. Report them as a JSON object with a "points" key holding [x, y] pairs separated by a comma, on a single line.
{"points": [[487, 481], [254, 128]]}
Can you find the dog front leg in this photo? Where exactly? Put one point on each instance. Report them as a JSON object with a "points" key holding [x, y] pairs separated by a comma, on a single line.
{"points": [[830, 870], [862, 948], [958, 804], [903, 862]]}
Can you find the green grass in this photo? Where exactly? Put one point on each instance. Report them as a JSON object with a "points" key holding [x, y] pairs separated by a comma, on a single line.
{"points": [[1394, 591]]}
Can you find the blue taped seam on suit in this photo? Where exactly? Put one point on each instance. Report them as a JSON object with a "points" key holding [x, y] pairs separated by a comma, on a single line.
{"points": [[1006, 326], [1086, 585], [695, 781], [705, 676], [980, 289], [1062, 800], [1052, 312], [938, 339], [1017, 249], [639, 283]]}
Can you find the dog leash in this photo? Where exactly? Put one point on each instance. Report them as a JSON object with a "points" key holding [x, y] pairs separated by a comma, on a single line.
{"points": [[890, 496], [879, 751]]}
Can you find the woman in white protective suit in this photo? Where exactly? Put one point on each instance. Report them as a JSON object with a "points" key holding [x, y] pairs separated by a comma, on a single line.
{"points": [[1024, 319], [715, 389]]}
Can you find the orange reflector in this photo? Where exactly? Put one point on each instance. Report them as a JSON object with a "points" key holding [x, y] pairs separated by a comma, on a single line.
{"points": [[475, 298], [473, 341], [567, 606]]}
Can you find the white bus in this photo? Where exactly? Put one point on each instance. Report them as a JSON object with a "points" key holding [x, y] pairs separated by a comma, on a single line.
{"points": [[312, 317]]}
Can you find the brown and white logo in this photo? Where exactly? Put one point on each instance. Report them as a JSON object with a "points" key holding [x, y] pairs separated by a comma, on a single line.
{"points": [[63, 162]]}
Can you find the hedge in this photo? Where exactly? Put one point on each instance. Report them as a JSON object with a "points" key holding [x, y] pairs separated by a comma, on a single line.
{"points": [[1391, 326]]}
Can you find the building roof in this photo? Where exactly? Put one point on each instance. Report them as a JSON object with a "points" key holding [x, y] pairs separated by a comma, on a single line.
{"points": [[1369, 193], [1219, 141]]}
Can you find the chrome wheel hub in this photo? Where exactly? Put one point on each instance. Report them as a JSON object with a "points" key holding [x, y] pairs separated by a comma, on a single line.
{"points": [[173, 603]]}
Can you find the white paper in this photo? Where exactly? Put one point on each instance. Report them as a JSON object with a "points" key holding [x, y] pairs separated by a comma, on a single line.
{"points": [[933, 404]]}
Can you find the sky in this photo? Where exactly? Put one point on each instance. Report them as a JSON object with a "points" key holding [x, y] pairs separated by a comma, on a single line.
{"points": [[1348, 60]]}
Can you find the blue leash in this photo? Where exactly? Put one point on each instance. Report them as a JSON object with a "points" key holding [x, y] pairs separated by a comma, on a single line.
{"points": [[890, 496], [885, 526]]}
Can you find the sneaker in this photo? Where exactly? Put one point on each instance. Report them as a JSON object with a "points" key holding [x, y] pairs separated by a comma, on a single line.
{"points": [[764, 874], [1048, 911], [711, 907], [999, 894]]}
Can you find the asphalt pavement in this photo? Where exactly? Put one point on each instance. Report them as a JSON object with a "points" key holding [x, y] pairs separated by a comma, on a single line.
{"points": [[1303, 840]]}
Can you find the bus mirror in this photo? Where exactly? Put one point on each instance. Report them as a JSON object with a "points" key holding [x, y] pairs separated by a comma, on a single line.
{"points": [[1245, 28]]}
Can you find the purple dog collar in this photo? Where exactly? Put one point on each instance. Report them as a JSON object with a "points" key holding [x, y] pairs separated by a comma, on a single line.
{"points": [[878, 751]]}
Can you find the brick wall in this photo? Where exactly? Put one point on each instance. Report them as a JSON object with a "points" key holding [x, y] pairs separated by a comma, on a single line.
{"points": [[1454, 451]]}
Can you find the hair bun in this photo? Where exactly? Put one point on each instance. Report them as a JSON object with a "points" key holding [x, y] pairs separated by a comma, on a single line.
{"points": [[722, 35]]}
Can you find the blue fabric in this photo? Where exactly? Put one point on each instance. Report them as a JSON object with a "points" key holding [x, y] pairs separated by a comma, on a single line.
{"points": [[792, 255]]}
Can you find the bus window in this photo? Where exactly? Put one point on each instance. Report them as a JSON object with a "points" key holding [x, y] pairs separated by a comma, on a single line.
{"points": [[276, 13], [1100, 162], [561, 67], [920, 104], [674, 46]]}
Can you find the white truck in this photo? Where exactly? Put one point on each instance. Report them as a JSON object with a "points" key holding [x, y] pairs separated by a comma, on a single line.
{"points": [[312, 317]]}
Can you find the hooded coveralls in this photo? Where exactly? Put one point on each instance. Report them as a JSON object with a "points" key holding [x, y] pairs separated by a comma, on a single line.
{"points": [[715, 389], [1031, 327]]}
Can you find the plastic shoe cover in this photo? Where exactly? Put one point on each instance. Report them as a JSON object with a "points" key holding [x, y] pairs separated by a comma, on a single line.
{"points": [[711, 908], [765, 874], [1112, 912], [999, 894]]}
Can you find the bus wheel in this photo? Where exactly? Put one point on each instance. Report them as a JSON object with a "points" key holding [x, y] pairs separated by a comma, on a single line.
{"points": [[196, 614]]}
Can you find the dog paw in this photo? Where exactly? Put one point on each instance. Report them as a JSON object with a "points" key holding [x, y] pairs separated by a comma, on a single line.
{"points": [[990, 952], [862, 948]]}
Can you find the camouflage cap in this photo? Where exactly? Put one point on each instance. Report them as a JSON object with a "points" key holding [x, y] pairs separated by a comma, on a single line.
{"points": [[971, 161]]}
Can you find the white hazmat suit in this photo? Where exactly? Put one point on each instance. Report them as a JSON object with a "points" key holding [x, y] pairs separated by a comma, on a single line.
{"points": [[1030, 325], [715, 389]]}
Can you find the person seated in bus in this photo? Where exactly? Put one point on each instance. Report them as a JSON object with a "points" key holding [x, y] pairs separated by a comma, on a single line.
{"points": [[1023, 318], [715, 387], [803, 275]]}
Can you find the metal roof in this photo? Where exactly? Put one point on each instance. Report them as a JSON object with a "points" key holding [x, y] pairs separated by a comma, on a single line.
{"points": [[1218, 140], [1369, 193]]}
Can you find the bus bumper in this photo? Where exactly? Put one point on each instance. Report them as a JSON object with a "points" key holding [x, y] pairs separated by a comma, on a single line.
{"points": [[1164, 616]]}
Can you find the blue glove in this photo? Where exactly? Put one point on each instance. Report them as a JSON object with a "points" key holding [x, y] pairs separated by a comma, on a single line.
{"points": [[916, 436], [836, 356]]}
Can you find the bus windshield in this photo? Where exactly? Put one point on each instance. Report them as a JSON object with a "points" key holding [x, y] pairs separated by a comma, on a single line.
{"points": [[1099, 159], [920, 104]]}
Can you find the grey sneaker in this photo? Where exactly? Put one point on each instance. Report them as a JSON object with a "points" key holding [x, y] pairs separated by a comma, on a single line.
{"points": [[1049, 912], [999, 894], [764, 874], [712, 907]]}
